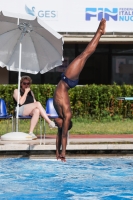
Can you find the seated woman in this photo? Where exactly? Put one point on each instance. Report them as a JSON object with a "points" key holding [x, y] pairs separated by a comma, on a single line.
{"points": [[29, 106]]}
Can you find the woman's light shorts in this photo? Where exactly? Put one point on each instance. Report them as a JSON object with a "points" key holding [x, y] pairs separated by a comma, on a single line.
{"points": [[21, 109]]}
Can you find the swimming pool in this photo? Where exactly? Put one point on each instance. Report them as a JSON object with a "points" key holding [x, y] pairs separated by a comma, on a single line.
{"points": [[106, 178]]}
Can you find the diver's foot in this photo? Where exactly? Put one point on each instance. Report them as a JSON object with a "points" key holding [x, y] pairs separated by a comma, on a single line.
{"points": [[102, 26]]}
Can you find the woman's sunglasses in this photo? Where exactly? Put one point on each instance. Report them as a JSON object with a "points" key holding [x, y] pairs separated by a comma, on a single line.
{"points": [[24, 83]]}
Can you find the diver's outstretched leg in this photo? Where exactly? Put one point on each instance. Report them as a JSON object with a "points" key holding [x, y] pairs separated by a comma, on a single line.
{"points": [[75, 67]]}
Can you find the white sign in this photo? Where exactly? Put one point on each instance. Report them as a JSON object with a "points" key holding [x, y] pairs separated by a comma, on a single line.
{"points": [[76, 15]]}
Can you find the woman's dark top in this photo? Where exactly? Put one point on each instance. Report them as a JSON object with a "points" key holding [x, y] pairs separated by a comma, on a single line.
{"points": [[29, 98]]}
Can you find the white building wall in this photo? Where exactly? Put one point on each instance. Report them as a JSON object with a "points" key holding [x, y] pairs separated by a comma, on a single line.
{"points": [[76, 15]]}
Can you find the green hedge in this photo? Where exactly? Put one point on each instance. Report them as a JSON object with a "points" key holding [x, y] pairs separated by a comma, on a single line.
{"points": [[91, 101]]}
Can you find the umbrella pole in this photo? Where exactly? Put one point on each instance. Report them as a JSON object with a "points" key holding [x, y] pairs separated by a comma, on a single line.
{"points": [[19, 78], [25, 29]]}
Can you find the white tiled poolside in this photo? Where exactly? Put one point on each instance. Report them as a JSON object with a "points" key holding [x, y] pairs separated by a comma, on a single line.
{"points": [[73, 144]]}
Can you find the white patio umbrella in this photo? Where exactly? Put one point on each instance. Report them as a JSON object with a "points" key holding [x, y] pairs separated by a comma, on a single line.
{"points": [[28, 45]]}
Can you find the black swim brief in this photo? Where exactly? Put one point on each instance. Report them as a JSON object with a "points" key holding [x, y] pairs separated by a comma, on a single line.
{"points": [[69, 82]]}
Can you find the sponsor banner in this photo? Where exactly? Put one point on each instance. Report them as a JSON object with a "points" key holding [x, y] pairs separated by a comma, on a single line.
{"points": [[76, 15]]}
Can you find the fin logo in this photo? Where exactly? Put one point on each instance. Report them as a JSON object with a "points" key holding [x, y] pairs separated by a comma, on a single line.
{"points": [[100, 13]]}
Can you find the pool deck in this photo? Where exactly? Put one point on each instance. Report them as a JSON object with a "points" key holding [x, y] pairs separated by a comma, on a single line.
{"points": [[76, 143]]}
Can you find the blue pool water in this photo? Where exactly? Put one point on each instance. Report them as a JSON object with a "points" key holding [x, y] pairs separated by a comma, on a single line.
{"points": [[77, 179]]}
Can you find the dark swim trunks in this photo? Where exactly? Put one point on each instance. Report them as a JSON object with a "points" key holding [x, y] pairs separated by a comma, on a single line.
{"points": [[69, 82]]}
